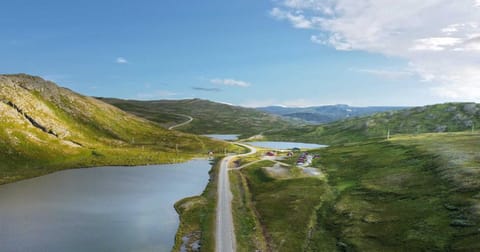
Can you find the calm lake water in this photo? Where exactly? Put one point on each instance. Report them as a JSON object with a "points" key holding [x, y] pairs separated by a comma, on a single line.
{"points": [[228, 137], [98, 209], [286, 145]]}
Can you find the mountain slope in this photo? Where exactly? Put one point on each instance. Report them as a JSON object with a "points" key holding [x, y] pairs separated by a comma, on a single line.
{"points": [[209, 117], [45, 127], [325, 114], [448, 117]]}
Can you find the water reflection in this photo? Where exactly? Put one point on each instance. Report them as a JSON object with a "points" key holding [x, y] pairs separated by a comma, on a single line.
{"points": [[98, 209]]}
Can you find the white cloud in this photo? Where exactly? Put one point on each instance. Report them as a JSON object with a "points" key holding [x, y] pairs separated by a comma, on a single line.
{"points": [[436, 44], [121, 60], [319, 6], [296, 19], [387, 74], [230, 82], [440, 38], [472, 44], [316, 39]]}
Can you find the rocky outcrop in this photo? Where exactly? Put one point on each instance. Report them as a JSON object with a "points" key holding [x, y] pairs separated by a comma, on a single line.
{"points": [[31, 120]]}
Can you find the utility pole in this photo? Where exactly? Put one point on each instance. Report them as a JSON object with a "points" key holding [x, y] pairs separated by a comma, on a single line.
{"points": [[176, 148], [388, 134], [473, 127]]}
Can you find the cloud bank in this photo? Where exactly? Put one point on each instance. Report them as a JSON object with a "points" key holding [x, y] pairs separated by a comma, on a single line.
{"points": [[440, 38]]}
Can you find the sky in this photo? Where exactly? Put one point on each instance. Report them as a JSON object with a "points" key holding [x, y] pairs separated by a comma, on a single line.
{"points": [[250, 52]]}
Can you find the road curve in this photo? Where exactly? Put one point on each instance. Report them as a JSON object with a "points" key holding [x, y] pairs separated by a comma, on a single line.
{"points": [[224, 234], [190, 119]]}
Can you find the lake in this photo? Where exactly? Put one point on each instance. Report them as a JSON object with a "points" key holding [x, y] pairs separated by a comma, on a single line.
{"points": [[225, 137], [285, 145], [98, 209]]}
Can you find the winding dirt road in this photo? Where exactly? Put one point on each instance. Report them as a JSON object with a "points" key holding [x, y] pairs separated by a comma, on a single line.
{"points": [[190, 119], [225, 234]]}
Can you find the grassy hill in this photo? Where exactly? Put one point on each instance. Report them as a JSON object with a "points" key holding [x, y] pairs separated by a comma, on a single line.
{"points": [[209, 117], [411, 193], [45, 128], [418, 191], [448, 117]]}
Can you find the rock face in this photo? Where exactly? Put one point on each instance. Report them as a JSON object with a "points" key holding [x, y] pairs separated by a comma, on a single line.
{"points": [[32, 109]]}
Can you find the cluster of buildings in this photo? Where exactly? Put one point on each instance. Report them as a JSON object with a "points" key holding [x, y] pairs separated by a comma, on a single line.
{"points": [[306, 158]]}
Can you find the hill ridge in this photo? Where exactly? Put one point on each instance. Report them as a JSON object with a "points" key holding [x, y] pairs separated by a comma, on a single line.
{"points": [[45, 128], [210, 117]]}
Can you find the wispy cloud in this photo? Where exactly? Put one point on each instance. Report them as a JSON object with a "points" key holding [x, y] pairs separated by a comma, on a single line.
{"points": [[230, 82], [297, 19], [207, 89], [439, 38], [121, 60]]}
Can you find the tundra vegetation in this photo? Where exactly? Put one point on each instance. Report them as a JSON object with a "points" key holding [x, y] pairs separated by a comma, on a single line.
{"points": [[412, 192]]}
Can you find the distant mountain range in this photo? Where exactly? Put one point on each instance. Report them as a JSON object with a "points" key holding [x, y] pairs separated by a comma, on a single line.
{"points": [[448, 117], [325, 114]]}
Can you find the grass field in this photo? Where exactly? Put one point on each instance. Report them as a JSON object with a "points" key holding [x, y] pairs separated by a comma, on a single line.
{"points": [[415, 192], [283, 208], [248, 229]]}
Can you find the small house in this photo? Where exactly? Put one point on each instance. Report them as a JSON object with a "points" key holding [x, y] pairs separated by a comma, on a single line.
{"points": [[270, 154]]}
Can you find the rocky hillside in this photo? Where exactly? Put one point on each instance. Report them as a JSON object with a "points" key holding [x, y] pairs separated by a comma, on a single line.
{"points": [[448, 117], [209, 117], [45, 127]]}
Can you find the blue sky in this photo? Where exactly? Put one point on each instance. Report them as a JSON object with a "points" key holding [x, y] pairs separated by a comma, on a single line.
{"points": [[250, 52]]}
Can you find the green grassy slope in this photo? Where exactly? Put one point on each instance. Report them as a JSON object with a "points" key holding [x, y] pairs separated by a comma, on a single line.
{"points": [[45, 128], [411, 193], [448, 117], [209, 117]]}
